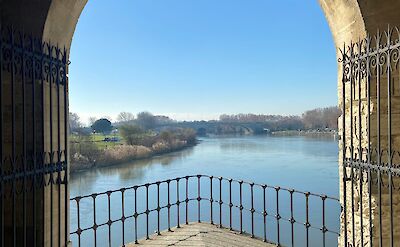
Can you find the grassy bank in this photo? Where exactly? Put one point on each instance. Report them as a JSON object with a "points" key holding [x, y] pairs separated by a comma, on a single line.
{"points": [[121, 154], [94, 151]]}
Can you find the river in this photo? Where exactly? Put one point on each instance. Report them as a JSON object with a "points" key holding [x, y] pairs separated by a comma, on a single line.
{"points": [[303, 163]]}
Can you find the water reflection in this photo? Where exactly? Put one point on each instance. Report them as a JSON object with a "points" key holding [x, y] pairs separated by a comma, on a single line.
{"points": [[262, 159], [309, 146], [128, 172], [308, 164]]}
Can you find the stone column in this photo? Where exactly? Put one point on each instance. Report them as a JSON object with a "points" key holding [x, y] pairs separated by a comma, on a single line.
{"points": [[350, 21]]}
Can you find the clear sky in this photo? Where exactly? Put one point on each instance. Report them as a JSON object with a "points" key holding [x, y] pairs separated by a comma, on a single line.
{"points": [[196, 59]]}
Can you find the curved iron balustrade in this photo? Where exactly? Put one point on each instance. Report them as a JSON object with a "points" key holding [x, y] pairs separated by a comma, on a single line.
{"points": [[216, 204]]}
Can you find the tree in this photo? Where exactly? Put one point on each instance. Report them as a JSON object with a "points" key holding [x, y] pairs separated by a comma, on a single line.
{"points": [[321, 118], [83, 145], [132, 134], [92, 120], [188, 135], [107, 117], [102, 125], [146, 120], [160, 120], [74, 121], [125, 117]]}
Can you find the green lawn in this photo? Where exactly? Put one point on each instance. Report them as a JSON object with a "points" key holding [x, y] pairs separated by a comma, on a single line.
{"points": [[98, 139]]}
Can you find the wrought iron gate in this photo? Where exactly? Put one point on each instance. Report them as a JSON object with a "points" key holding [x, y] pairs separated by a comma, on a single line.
{"points": [[33, 133], [370, 101]]}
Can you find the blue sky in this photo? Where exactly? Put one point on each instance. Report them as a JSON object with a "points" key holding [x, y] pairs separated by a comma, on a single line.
{"points": [[196, 59]]}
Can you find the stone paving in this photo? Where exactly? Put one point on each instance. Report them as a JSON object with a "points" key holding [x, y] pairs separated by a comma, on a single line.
{"points": [[201, 234]]}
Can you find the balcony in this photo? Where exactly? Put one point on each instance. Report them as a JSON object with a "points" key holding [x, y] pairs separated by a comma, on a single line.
{"points": [[204, 210]]}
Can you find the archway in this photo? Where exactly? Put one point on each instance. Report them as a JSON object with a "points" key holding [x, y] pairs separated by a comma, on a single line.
{"points": [[56, 20]]}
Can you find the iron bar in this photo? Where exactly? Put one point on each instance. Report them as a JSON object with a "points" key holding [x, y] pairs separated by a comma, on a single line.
{"points": [[369, 139], [51, 181], [169, 205], [34, 151], [344, 148], [307, 223], [278, 217], [66, 130], [43, 156], [389, 113], [323, 229], [2, 163], [198, 198], [136, 216], [23, 74], [94, 220], [241, 205], [109, 222], [359, 77], [352, 92], [13, 129], [178, 202], [292, 221], [220, 202], [230, 204], [78, 230], [123, 215], [211, 201], [252, 209], [58, 143], [187, 200], [264, 187], [147, 211], [158, 209], [378, 102]]}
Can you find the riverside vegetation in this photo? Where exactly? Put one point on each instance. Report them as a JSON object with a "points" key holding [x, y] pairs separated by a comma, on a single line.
{"points": [[104, 144], [88, 151], [129, 138]]}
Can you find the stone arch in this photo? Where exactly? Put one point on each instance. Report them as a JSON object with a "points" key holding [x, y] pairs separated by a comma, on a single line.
{"points": [[61, 21], [55, 21]]}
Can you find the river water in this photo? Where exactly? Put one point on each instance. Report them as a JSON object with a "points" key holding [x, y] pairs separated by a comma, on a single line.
{"points": [[303, 163]]}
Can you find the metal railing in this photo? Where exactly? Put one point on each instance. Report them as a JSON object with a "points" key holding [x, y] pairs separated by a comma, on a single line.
{"points": [[370, 171], [277, 215], [34, 140]]}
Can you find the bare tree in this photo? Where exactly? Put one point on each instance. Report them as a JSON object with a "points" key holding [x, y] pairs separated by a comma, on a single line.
{"points": [[146, 120], [125, 117], [92, 120], [321, 118], [74, 121], [132, 134]]}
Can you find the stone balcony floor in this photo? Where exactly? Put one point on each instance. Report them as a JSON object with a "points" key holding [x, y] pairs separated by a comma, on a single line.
{"points": [[201, 234]]}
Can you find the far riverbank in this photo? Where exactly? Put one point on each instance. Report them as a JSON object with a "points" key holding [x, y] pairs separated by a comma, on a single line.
{"points": [[132, 144], [307, 133], [121, 154]]}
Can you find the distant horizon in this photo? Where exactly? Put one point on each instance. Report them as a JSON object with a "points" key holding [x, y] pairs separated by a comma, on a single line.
{"points": [[184, 116], [195, 60]]}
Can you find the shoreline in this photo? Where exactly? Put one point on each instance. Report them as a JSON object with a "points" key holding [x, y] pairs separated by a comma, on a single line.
{"points": [[80, 167], [309, 133]]}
